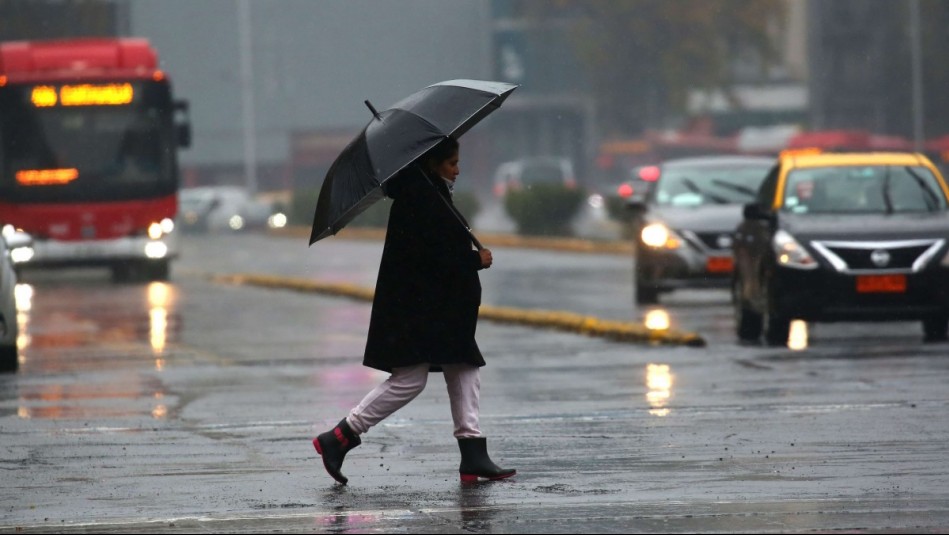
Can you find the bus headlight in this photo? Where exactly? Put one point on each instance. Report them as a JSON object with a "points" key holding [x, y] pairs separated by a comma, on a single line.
{"points": [[156, 249], [155, 231], [159, 229]]}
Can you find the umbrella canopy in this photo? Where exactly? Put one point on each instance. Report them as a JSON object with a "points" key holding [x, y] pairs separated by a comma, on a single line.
{"points": [[394, 139]]}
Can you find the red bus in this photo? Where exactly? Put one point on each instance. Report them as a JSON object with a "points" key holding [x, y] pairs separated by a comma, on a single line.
{"points": [[89, 133]]}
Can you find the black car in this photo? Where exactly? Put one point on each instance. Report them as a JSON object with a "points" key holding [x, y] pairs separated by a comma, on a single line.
{"points": [[844, 237], [683, 228]]}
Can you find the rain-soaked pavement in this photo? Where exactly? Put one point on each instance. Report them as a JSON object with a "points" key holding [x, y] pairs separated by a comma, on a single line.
{"points": [[190, 406]]}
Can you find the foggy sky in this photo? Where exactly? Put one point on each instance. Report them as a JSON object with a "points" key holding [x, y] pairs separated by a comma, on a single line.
{"points": [[315, 61]]}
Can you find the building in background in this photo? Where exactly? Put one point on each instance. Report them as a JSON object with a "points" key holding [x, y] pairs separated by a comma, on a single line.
{"points": [[310, 66], [306, 66], [861, 61]]}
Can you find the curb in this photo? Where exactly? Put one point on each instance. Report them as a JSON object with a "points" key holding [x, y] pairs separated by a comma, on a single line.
{"points": [[558, 320]]}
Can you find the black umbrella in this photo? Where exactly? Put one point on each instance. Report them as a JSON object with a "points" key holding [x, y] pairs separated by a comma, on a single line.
{"points": [[394, 139]]}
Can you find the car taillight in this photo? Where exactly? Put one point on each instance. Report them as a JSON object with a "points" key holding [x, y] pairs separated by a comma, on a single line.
{"points": [[499, 190], [624, 191], [650, 173], [570, 182]]}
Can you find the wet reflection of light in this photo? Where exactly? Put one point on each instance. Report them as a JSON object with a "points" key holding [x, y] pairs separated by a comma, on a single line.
{"points": [[23, 294], [24, 413], [159, 297], [659, 382], [159, 329], [159, 412], [159, 294], [657, 320], [797, 340]]}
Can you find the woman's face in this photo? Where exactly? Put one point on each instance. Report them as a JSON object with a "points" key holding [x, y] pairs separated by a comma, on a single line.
{"points": [[448, 168]]}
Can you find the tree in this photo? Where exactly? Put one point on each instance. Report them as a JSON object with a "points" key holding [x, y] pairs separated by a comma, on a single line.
{"points": [[643, 57]]}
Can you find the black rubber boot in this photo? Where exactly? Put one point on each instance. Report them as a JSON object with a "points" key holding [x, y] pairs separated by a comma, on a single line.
{"points": [[475, 463], [333, 446]]}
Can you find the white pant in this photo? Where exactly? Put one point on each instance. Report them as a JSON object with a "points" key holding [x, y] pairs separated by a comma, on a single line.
{"points": [[464, 392]]}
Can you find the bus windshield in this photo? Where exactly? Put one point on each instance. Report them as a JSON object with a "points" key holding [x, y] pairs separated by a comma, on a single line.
{"points": [[87, 152]]}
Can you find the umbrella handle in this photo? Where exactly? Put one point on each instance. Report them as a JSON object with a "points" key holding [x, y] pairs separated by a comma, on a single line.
{"points": [[454, 211]]}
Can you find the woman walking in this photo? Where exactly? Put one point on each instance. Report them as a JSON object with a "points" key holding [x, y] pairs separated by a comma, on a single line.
{"points": [[424, 315]]}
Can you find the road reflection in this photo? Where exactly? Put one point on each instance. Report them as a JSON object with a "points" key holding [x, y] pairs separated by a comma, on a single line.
{"points": [[659, 380], [91, 349]]}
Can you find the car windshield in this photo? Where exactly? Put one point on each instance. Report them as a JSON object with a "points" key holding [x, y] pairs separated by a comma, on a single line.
{"points": [[694, 186], [877, 189]]}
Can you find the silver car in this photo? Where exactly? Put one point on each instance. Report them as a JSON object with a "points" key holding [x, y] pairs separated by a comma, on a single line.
{"points": [[11, 243], [684, 228]]}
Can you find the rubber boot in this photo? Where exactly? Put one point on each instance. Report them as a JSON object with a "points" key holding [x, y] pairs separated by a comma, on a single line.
{"points": [[475, 463], [333, 446]]}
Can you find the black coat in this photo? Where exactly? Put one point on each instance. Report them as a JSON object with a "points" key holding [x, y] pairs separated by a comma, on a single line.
{"points": [[427, 296]]}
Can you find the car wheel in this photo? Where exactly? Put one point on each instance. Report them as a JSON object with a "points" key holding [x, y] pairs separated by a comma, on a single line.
{"points": [[936, 329], [747, 322], [8, 359]]}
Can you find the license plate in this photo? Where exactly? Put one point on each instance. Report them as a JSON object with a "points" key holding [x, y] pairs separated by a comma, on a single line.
{"points": [[881, 284], [719, 264]]}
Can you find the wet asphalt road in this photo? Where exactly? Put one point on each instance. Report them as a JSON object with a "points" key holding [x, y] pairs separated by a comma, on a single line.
{"points": [[190, 407]]}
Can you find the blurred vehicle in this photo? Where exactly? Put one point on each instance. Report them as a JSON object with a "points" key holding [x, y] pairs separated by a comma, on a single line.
{"points": [[89, 137], [13, 246], [225, 208], [615, 196], [683, 227], [525, 172], [844, 237]]}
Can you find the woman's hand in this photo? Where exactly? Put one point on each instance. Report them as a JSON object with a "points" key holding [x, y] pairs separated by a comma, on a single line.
{"points": [[486, 258]]}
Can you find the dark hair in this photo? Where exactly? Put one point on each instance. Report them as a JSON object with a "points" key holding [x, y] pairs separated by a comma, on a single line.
{"points": [[445, 149]]}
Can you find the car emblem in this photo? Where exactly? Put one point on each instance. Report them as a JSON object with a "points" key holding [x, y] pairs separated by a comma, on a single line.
{"points": [[880, 258], [724, 241]]}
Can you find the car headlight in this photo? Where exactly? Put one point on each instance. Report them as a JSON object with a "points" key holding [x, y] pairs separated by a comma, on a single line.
{"points": [[236, 222], [278, 220], [790, 253], [659, 236]]}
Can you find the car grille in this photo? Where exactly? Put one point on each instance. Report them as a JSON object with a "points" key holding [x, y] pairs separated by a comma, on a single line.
{"points": [[892, 256], [713, 241]]}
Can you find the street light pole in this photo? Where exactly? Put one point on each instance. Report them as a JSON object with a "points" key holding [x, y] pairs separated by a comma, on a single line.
{"points": [[917, 62], [247, 96]]}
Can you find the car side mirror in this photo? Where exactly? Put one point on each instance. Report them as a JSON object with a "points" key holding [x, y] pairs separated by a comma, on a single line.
{"points": [[182, 123], [755, 211], [183, 133]]}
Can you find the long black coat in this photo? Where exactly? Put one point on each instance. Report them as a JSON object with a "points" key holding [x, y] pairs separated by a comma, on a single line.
{"points": [[428, 292]]}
